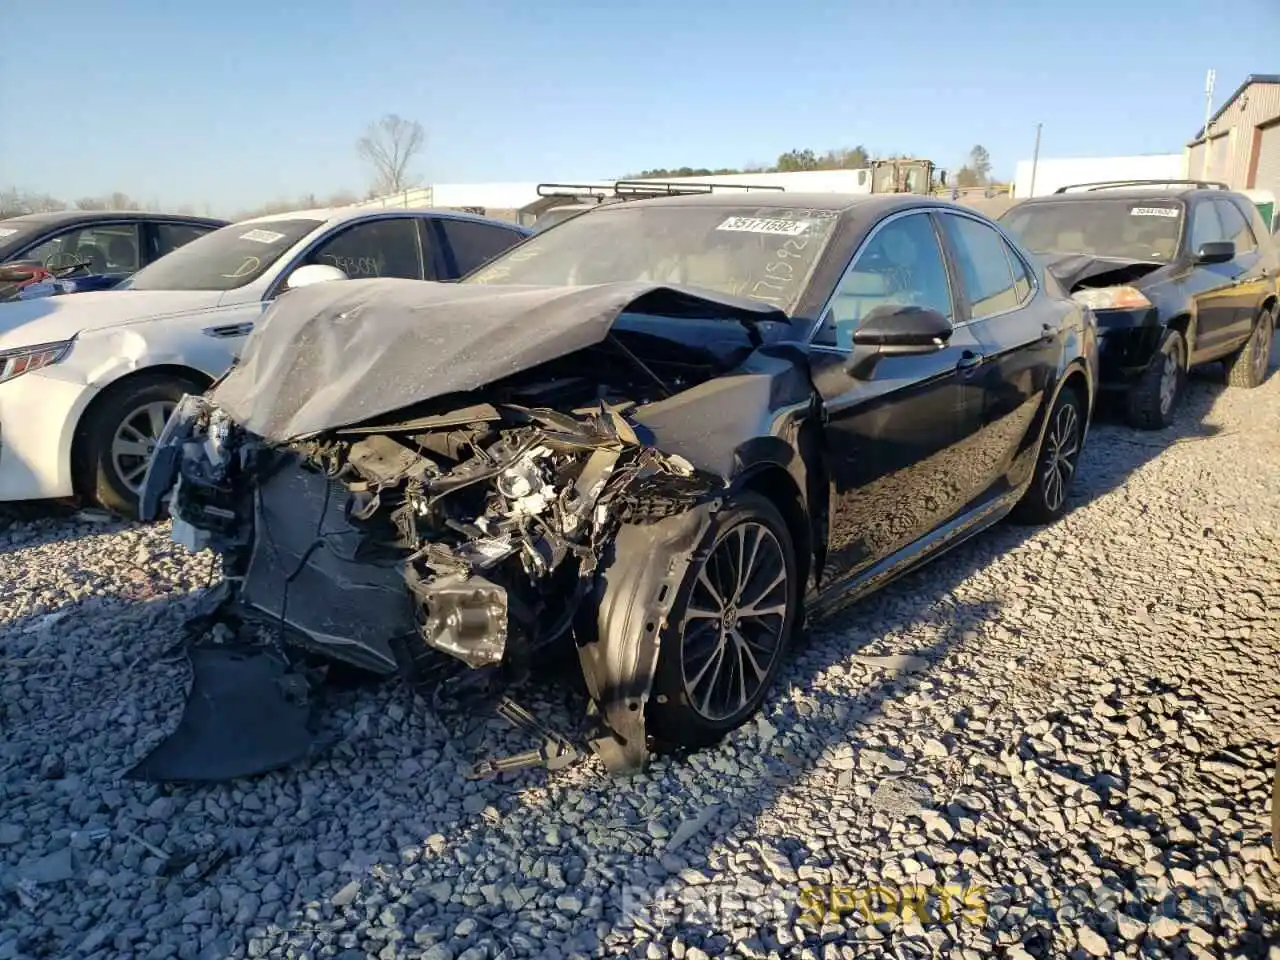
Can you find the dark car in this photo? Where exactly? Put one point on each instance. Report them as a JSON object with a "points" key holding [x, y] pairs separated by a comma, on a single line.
{"points": [[79, 250], [1179, 273], [650, 432]]}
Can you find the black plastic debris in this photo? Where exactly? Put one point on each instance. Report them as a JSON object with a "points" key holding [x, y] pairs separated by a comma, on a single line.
{"points": [[247, 713]]}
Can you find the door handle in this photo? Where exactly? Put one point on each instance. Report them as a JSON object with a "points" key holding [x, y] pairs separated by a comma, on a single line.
{"points": [[969, 361]]}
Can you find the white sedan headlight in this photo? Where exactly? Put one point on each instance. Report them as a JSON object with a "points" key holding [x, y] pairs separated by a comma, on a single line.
{"points": [[20, 360]]}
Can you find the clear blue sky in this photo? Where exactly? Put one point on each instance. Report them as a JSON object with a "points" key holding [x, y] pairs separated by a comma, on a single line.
{"points": [[235, 103]]}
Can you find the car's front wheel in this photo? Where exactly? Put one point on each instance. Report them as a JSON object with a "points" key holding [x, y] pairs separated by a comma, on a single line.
{"points": [[119, 437], [1247, 368], [1154, 398], [730, 628]]}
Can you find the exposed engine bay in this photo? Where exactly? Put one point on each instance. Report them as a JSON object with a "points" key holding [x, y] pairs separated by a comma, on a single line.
{"points": [[1086, 272], [471, 529]]}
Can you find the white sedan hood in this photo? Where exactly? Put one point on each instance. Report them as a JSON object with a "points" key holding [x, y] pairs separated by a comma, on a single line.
{"points": [[50, 319]]}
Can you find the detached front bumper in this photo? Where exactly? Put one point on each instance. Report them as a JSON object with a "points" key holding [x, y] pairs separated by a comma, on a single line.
{"points": [[1127, 341], [38, 416]]}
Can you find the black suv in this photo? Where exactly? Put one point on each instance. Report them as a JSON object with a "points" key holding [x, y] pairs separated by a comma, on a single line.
{"points": [[1178, 273]]}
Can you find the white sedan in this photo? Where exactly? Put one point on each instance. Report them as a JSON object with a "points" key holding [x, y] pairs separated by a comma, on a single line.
{"points": [[87, 382]]}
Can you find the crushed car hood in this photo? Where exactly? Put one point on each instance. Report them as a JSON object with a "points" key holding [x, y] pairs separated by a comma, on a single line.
{"points": [[337, 354], [1073, 269], [49, 319]]}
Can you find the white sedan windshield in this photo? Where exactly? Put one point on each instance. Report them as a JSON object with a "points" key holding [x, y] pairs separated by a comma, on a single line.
{"points": [[225, 259]]}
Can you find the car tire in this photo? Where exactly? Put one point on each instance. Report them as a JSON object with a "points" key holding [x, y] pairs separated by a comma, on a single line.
{"points": [[1153, 401], [1045, 499], [1247, 368], [128, 417], [705, 626]]}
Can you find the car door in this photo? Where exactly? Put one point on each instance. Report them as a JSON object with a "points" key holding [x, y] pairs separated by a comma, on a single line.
{"points": [[1253, 282], [896, 438], [468, 244], [1210, 287], [1019, 335]]}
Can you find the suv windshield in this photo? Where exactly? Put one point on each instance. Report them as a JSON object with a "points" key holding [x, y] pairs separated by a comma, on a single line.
{"points": [[225, 259], [1121, 229], [763, 253]]}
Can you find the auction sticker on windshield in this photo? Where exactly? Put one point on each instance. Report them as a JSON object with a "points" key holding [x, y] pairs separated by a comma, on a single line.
{"points": [[777, 227], [1153, 212], [262, 236]]}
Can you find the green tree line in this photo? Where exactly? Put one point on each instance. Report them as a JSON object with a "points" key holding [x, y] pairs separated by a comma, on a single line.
{"points": [[976, 172], [844, 158]]}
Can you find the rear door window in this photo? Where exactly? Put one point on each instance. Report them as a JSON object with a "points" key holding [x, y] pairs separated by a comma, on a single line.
{"points": [[168, 237], [377, 248], [985, 265], [470, 244]]}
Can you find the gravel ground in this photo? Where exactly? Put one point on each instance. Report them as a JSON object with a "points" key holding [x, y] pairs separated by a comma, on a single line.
{"points": [[1076, 725]]}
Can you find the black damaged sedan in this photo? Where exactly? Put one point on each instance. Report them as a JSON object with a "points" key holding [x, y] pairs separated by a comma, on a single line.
{"points": [[657, 432]]}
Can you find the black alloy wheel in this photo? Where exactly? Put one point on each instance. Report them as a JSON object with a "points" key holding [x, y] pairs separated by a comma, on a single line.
{"points": [[730, 630], [1060, 448]]}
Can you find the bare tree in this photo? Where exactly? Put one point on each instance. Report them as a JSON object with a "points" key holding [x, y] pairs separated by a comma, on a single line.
{"points": [[14, 202], [389, 146]]}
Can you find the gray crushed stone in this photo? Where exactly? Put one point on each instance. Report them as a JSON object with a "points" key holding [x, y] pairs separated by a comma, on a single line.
{"points": [[1069, 731]]}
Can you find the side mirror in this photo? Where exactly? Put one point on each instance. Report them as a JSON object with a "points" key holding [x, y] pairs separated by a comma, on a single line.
{"points": [[942, 178], [1216, 251], [892, 330], [313, 273]]}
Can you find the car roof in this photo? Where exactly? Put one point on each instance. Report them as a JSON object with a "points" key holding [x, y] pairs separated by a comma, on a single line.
{"points": [[58, 218], [336, 215]]}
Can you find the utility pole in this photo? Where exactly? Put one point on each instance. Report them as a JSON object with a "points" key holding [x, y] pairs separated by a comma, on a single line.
{"points": [[1035, 162], [1208, 112]]}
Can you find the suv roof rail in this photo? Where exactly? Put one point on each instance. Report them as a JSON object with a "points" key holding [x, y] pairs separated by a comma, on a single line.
{"points": [[669, 188], [596, 190], [1117, 184]]}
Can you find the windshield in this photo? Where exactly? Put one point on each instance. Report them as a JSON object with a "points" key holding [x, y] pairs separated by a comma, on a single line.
{"points": [[225, 259], [1121, 229], [16, 233], [762, 253]]}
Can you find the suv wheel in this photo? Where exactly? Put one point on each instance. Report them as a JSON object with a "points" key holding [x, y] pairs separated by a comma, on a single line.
{"points": [[729, 628], [1154, 399], [120, 435], [1248, 367]]}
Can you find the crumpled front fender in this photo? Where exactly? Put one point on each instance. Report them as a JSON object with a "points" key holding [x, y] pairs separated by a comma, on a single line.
{"points": [[636, 589]]}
